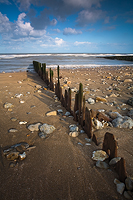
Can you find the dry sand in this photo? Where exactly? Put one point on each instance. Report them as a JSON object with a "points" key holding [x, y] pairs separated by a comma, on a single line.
{"points": [[59, 168]]}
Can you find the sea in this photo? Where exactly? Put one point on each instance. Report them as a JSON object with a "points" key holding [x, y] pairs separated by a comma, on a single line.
{"points": [[24, 62]]}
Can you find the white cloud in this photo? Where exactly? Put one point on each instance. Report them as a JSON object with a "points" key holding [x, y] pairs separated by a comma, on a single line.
{"points": [[53, 22], [5, 2], [70, 31], [82, 43], [83, 3], [130, 21], [106, 21], [59, 41], [56, 30], [23, 4], [86, 17], [5, 24], [23, 28]]}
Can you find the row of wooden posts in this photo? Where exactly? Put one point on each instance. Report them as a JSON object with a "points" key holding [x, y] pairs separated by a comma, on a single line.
{"points": [[82, 114]]}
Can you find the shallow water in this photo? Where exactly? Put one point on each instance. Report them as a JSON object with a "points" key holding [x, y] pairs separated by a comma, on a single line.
{"points": [[23, 62]]}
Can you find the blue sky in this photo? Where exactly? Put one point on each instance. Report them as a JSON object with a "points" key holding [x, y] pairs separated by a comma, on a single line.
{"points": [[66, 26]]}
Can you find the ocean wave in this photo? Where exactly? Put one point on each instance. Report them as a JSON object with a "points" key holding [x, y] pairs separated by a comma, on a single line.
{"points": [[11, 56]]}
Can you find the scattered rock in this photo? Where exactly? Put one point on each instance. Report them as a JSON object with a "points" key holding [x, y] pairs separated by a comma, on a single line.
{"points": [[114, 115], [13, 119], [24, 122], [73, 134], [18, 95], [22, 156], [43, 135], [12, 156], [127, 80], [47, 128], [12, 164], [60, 111], [52, 113], [125, 122], [67, 113], [22, 102], [99, 155], [113, 95], [73, 128], [129, 183], [12, 130], [19, 81], [38, 86], [34, 127], [102, 165], [8, 105], [128, 194], [120, 186], [113, 161], [130, 113], [130, 101], [91, 101], [100, 99]]}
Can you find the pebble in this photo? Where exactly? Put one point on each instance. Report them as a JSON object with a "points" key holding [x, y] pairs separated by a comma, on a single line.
{"points": [[100, 99], [67, 113], [87, 144], [130, 101], [22, 102], [120, 186], [24, 122], [124, 122], [91, 101], [73, 134], [43, 135], [128, 194], [13, 119], [113, 161], [34, 127], [88, 140], [12, 164], [12, 156], [114, 115], [22, 156], [8, 105], [12, 130], [52, 113], [129, 183], [99, 155], [38, 86], [102, 165], [127, 80], [47, 128], [73, 128], [130, 113], [60, 111], [18, 95], [19, 81]]}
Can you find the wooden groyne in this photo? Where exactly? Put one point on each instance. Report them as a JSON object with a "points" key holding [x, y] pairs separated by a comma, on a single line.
{"points": [[82, 114]]}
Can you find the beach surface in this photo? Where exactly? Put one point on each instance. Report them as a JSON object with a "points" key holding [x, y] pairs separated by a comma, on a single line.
{"points": [[61, 167]]}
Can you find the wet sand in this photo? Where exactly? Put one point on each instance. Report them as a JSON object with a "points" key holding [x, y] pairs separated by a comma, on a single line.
{"points": [[59, 167]]}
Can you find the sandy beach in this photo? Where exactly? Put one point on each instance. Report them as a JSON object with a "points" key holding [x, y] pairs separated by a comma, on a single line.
{"points": [[61, 167]]}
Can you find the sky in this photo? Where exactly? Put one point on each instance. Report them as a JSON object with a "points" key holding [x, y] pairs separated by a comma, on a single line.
{"points": [[66, 26]]}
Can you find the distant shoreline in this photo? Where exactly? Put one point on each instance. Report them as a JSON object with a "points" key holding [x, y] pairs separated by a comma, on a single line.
{"points": [[127, 58]]}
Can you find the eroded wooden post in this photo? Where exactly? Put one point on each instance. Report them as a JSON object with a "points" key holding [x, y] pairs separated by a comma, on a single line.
{"points": [[88, 123]]}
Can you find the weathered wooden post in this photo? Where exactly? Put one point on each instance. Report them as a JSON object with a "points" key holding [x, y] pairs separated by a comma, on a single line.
{"points": [[51, 80], [80, 101], [44, 71], [88, 122], [83, 113], [69, 100], [76, 108]]}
